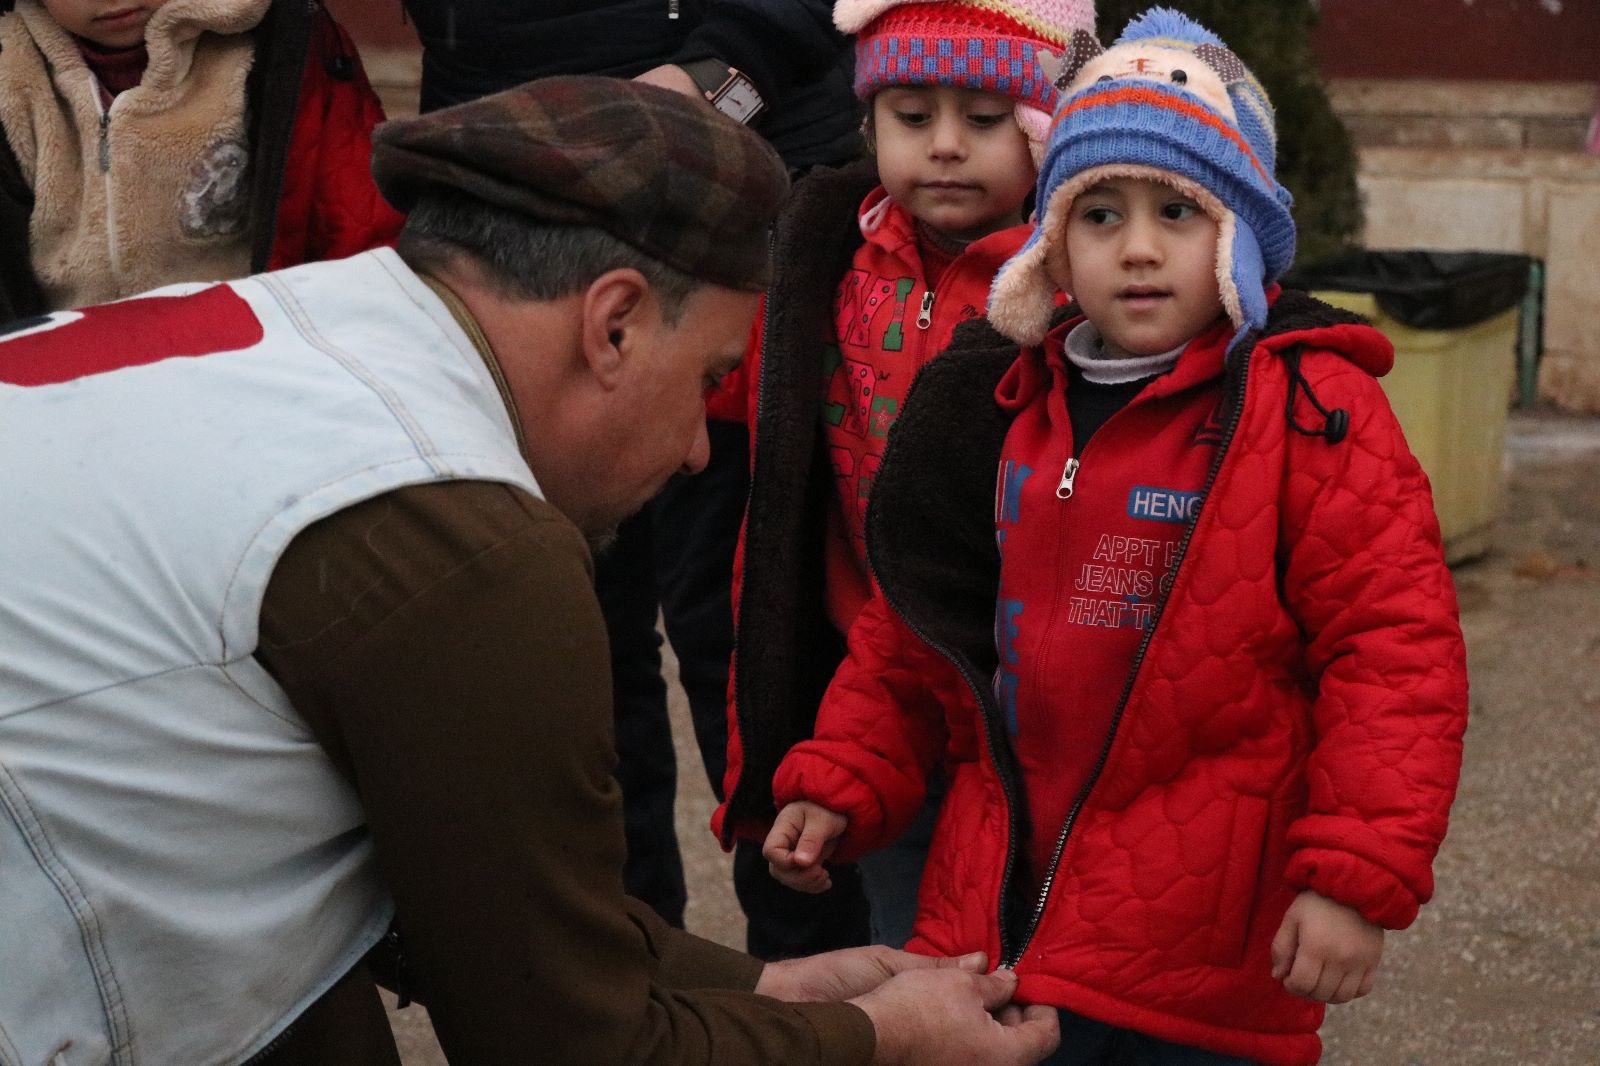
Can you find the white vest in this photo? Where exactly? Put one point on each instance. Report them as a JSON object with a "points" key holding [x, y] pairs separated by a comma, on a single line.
{"points": [[182, 870]]}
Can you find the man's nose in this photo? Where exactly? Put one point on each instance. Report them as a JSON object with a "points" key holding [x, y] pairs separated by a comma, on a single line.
{"points": [[699, 452]]}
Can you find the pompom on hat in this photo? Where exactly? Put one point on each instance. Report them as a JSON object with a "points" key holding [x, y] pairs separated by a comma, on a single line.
{"points": [[1170, 103], [990, 45]]}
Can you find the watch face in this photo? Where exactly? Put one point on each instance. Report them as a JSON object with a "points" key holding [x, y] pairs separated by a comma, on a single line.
{"points": [[738, 99]]}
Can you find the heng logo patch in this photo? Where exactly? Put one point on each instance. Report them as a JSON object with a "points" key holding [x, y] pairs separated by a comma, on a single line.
{"points": [[1162, 505]]}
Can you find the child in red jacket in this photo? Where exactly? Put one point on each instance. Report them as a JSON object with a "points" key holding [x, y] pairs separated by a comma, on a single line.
{"points": [[1181, 555], [876, 267], [162, 141]]}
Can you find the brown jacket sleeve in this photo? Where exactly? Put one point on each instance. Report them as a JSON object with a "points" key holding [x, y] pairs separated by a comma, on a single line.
{"points": [[444, 643]]}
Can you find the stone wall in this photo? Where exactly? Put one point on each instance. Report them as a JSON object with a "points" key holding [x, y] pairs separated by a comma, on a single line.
{"points": [[1492, 166], [396, 75]]}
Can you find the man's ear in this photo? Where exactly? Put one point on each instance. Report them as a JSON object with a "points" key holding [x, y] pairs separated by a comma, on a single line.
{"points": [[619, 311]]}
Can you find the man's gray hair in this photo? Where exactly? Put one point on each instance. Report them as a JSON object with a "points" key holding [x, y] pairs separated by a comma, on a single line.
{"points": [[527, 258]]}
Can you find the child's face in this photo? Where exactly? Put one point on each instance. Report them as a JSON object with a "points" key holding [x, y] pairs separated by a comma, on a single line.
{"points": [[111, 24], [955, 158], [1143, 265]]}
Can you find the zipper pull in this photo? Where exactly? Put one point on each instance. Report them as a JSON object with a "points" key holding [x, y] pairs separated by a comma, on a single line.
{"points": [[1064, 490], [672, 9], [925, 317], [105, 140]]}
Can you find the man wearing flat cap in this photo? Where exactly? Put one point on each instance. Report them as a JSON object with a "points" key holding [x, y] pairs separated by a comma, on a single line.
{"points": [[301, 652]]}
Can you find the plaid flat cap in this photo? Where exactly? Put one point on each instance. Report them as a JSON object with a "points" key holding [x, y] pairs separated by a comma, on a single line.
{"points": [[685, 185]]}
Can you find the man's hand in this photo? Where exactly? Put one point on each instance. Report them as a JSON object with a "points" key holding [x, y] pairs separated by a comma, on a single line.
{"points": [[851, 972], [947, 1017], [671, 76], [802, 838], [1325, 950]]}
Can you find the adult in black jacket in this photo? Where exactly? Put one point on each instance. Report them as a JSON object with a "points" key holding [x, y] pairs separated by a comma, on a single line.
{"points": [[677, 557], [788, 48]]}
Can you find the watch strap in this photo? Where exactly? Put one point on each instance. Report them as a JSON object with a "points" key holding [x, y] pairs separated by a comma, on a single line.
{"points": [[708, 74]]}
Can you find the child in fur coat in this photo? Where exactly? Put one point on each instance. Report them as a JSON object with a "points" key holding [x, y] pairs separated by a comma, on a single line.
{"points": [[149, 142]]}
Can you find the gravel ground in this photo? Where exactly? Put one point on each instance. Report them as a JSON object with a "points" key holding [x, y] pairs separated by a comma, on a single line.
{"points": [[1504, 965]]}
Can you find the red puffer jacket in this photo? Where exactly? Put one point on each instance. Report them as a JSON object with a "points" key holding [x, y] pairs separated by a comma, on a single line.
{"points": [[1293, 720], [328, 206]]}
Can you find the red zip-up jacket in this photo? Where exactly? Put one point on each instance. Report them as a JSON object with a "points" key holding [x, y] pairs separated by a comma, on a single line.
{"points": [[840, 337], [1290, 718], [327, 206]]}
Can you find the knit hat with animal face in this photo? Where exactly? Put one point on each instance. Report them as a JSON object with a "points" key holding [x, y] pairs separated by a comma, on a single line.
{"points": [[976, 44], [1167, 102]]}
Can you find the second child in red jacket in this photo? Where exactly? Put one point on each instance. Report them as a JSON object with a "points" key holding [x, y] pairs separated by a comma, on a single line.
{"points": [[1189, 571], [876, 268]]}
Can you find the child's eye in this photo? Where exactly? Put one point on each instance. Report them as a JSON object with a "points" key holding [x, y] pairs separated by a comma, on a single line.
{"points": [[912, 118], [1179, 211], [987, 121], [1100, 216]]}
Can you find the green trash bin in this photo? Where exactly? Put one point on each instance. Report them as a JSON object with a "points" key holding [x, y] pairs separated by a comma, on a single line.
{"points": [[1453, 318]]}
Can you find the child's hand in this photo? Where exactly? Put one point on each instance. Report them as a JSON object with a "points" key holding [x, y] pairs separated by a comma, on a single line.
{"points": [[1325, 950], [803, 836]]}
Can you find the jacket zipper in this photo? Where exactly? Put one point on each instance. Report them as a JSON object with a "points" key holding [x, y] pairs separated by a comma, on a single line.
{"points": [[925, 316], [1069, 474], [1003, 768], [1010, 960], [113, 250]]}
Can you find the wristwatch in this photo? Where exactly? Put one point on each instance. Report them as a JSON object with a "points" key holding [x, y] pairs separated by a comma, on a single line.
{"points": [[729, 89]]}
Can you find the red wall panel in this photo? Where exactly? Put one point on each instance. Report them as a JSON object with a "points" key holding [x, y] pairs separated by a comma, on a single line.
{"points": [[1534, 40], [374, 23]]}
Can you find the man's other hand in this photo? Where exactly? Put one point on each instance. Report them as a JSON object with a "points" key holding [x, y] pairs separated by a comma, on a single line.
{"points": [[949, 1017], [851, 972]]}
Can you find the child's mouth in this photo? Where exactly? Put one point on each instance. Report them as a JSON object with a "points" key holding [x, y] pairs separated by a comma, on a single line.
{"points": [[115, 19], [1142, 296]]}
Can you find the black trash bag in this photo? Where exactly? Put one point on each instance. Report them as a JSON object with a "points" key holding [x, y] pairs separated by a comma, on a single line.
{"points": [[1424, 290]]}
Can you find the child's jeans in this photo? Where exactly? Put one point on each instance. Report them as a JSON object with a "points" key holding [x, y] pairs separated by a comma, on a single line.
{"points": [[1085, 1042], [891, 877]]}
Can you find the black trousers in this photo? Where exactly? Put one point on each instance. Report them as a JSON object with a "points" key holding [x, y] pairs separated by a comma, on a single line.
{"points": [[676, 556]]}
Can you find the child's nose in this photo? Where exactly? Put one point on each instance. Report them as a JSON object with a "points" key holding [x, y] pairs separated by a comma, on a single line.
{"points": [[949, 138], [1141, 241]]}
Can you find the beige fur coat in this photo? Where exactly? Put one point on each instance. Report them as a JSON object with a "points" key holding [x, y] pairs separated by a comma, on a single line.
{"points": [[151, 190]]}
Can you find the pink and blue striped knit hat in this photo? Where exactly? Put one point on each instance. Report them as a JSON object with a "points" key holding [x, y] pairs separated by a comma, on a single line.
{"points": [[990, 45], [1168, 102]]}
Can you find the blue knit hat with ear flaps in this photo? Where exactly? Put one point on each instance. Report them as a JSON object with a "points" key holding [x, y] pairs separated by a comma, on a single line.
{"points": [[1156, 105]]}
